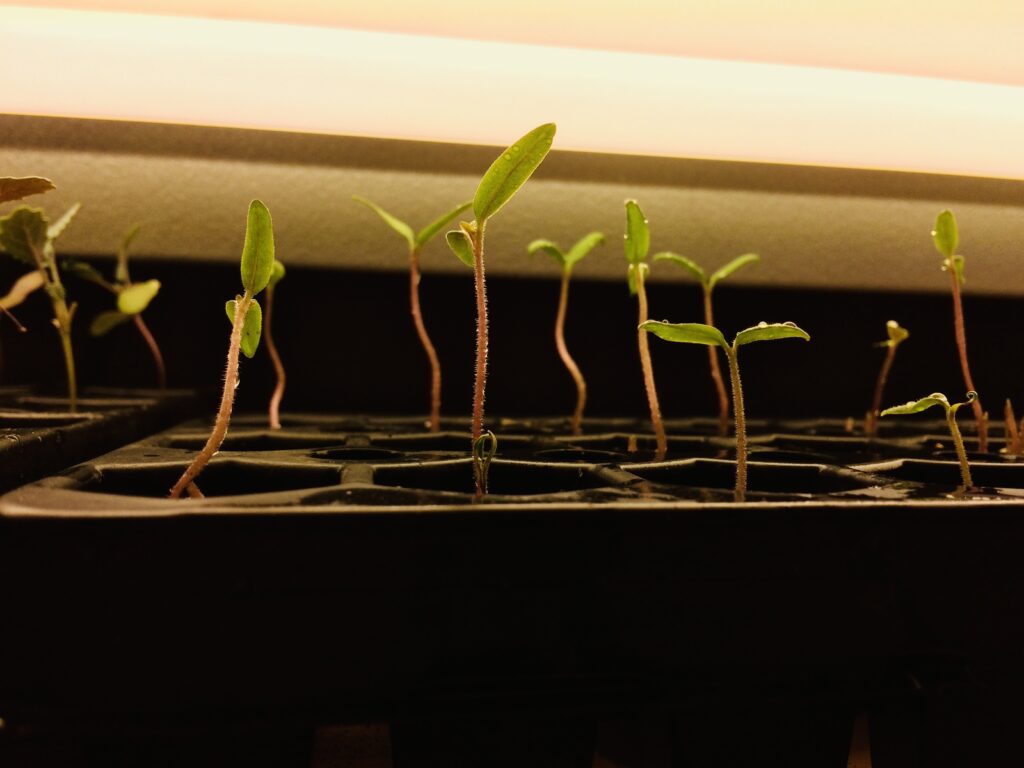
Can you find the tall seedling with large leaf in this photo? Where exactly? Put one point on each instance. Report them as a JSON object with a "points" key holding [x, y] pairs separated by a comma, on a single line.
{"points": [[566, 261], [28, 236], [416, 241], [638, 243], [708, 283], [501, 181], [698, 333], [246, 323]]}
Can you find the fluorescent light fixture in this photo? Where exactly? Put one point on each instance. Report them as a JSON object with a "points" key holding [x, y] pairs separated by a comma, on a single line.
{"points": [[331, 80]]}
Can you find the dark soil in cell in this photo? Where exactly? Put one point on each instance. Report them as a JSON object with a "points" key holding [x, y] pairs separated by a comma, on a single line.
{"points": [[221, 478]]}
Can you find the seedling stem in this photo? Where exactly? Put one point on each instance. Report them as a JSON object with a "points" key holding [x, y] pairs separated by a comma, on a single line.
{"points": [[428, 345], [897, 335], [661, 441], [275, 358], [563, 352]]}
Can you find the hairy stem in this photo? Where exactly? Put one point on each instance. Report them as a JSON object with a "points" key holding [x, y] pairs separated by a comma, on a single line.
{"points": [[871, 427], [62, 317], [961, 343], [227, 401], [563, 352], [741, 425], [961, 454], [480, 385], [716, 371], [154, 350], [661, 441], [275, 358], [428, 346], [69, 361]]}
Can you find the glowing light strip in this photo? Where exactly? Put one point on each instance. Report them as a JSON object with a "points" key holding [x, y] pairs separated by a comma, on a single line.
{"points": [[327, 80]]}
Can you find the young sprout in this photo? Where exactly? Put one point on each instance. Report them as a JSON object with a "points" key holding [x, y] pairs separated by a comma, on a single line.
{"points": [[276, 275], [708, 283], [132, 300], [484, 449], [1013, 432], [246, 322], [937, 398], [28, 236], [566, 261], [506, 175], [897, 335], [638, 242], [946, 237], [415, 242], [698, 333]]}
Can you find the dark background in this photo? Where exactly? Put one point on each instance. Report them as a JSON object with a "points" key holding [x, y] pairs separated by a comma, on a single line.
{"points": [[349, 345]]}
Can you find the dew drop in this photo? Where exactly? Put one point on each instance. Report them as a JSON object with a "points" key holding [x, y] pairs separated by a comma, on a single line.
{"points": [[514, 148], [508, 156], [762, 324]]}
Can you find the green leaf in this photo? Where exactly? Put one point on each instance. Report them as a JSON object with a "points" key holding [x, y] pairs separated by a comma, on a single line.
{"points": [[17, 188], [916, 406], [258, 251], [428, 232], [945, 235], [251, 328], [732, 266], [277, 275], [511, 170], [135, 298], [459, 243], [23, 234], [83, 271], [107, 321], [583, 246], [121, 270], [632, 273], [897, 333], [770, 332], [688, 333], [392, 221], [23, 287], [638, 235], [548, 247], [688, 264], [56, 229], [971, 397]]}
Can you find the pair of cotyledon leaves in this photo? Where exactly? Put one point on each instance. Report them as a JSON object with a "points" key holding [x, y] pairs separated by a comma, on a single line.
{"points": [[936, 398], [946, 237], [708, 335], [259, 269]]}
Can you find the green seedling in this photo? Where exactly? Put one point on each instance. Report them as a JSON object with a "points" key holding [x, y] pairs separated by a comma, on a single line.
{"points": [[638, 243], [416, 241], [246, 323], [698, 333], [484, 449], [567, 261], [29, 236], [937, 398], [897, 335], [274, 410], [708, 283], [506, 175], [946, 237], [132, 300]]}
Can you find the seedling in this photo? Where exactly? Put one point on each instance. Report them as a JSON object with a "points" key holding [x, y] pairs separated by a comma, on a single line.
{"points": [[946, 237], [937, 398], [416, 241], [638, 242], [897, 335], [246, 323], [506, 175], [132, 300], [484, 449], [274, 411], [28, 236], [708, 283], [567, 260], [1014, 445], [698, 333]]}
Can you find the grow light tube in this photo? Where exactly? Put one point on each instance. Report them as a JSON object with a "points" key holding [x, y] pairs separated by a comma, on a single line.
{"points": [[328, 80]]}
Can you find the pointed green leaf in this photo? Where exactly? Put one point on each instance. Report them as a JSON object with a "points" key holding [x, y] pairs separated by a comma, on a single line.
{"points": [[135, 298], [945, 235], [392, 221], [251, 328], [121, 270], [428, 232], [83, 271], [770, 332], [688, 264], [17, 188], [57, 228], [23, 234], [548, 247], [688, 333], [638, 234], [459, 243], [916, 406], [583, 246], [277, 275], [107, 321], [511, 170], [23, 287], [258, 251], [732, 266]]}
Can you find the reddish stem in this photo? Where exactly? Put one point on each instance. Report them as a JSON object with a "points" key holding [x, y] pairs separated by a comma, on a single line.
{"points": [[154, 350], [275, 358], [871, 427], [645, 363], [961, 343], [716, 371], [1013, 446], [563, 352], [428, 346]]}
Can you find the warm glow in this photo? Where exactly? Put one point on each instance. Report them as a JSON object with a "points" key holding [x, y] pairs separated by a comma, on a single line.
{"points": [[334, 80]]}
